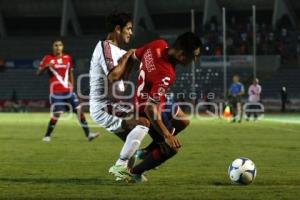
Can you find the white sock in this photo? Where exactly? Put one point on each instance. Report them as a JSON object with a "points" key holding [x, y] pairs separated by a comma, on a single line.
{"points": [[132, 143]]}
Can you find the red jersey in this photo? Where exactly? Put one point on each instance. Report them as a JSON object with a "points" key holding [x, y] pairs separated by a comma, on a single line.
{"points": [[60, 73], [156, 75]]}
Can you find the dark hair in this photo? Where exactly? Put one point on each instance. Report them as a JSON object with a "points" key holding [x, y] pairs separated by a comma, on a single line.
{"points": [[117, 18], [57, 40], [187, 42]]}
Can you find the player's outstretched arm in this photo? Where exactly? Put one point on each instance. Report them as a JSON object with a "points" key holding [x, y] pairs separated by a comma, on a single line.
{"points": [[119, 70], [154, 116]]}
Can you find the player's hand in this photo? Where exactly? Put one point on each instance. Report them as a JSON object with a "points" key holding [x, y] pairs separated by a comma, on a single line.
{"points": [[130, 53], [172, 141], [49, 65]]}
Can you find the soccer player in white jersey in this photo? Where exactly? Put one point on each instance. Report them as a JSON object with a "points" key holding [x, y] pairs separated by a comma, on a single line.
{"points": [[108, 68]]}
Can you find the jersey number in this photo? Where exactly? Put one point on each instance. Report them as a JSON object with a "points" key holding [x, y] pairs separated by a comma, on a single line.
{"points": [[141, 86], [141, 78]]}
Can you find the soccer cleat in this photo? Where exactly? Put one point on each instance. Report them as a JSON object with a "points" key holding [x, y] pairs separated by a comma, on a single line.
{"points": [[122, 174], [137, 178], [119, 179], [93, 136], [138, 157], [47, 139], [132, 178], [120, 171]]}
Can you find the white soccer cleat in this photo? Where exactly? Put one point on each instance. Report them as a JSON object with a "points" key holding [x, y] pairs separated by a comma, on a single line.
{"points": [[47, 139]]}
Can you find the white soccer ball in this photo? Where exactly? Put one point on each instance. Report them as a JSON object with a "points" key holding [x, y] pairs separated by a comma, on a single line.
{"points": [[242, 171]]}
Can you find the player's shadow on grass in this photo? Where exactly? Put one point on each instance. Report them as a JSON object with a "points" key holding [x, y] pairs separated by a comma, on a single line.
{"points": [[218, 183], [67, 181]]}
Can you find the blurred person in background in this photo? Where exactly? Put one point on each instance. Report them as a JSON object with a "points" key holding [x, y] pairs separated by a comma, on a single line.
{"points": [[284, 98], [236, 91], [254, 92]]}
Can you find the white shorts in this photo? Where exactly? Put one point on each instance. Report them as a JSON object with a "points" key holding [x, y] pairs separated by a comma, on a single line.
{"points": [[106, 120]]}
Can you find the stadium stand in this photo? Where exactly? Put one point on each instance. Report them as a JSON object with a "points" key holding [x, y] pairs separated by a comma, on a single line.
{"points": [[32, 25]]}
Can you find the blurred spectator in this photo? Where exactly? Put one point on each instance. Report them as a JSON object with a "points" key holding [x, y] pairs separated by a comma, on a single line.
{"points": [[278, 41], [15, 105], [2, 63], [254, 92], [236, 91], [284, 98]]}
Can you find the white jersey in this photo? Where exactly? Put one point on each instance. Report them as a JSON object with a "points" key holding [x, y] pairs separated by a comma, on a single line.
{"points": [[105, 57]]}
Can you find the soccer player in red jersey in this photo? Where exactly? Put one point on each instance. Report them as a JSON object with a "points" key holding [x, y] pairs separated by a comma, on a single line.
{"points": [[157, 74], [62, 96]]}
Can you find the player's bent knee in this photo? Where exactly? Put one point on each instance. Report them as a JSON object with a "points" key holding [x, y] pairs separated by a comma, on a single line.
{"points": [[167, 152], [77, 110]]}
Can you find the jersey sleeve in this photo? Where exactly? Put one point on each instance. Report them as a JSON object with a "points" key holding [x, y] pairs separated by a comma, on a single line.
{"points": [[98, 60], [45, 61], [138, 53]]}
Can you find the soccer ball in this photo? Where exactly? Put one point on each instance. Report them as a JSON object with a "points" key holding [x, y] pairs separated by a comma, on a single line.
{"points": [[242, 171]]}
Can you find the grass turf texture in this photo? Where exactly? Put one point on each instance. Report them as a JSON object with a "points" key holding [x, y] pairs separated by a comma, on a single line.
{"points": [[70, 167]]}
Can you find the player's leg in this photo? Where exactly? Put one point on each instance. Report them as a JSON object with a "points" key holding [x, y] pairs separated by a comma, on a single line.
{"points": [[233, 103], [158, 151], [132, 131], [177, 120], [251, 113], [57, 109], [73, 100], [255, 113], [239, 111], [154, 158], [83, 123], [159, 154], [136, 135], [139, 129], [51, 125], [248, 114], [180, 121]]}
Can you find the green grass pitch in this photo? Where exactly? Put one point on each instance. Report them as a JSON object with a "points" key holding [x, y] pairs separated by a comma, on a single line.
{"points": [[71, 168]]}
